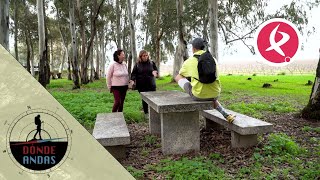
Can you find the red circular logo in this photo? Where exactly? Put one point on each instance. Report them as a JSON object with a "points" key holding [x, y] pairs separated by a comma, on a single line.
{"points": [[277, 41]]}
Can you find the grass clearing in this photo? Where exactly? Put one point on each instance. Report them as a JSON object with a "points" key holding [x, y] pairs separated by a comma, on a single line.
{"points": [[281, 157]]}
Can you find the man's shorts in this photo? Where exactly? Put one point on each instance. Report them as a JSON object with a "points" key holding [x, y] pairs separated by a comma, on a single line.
{"points": [[186, 85]]}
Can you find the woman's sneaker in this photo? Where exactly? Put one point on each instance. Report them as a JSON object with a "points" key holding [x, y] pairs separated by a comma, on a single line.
{"points": [[230, 118]]}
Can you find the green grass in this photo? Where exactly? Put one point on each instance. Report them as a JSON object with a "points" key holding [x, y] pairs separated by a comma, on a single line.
{"points": [[285, 158], [288, 94], [94, 98], [280, 158], [196, 168]]}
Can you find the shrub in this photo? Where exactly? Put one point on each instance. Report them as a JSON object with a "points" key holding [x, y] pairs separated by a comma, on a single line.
{"points": [[281, 144]]}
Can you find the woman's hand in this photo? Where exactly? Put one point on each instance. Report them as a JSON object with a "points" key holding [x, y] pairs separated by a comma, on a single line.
{"points": [[155, 73], [110, 89], [131, 84]]}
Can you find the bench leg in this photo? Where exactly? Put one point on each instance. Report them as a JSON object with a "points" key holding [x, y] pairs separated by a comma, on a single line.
{"points": [[209, 124], [239, 141], [154, 122], [180, 132]]}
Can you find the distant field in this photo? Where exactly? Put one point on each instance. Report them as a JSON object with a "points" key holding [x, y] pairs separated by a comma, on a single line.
{"points": [[288, 94], [242, 67]]}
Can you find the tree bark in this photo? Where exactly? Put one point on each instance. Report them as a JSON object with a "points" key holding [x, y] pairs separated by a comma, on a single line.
{"points": [[181, 52], [132, 34], [32, 57], [28, 52], [47, 62], [69, 67], [98, 55], [51, 61], [213, 19], [312, 110], [103, 64], [74, 61], [159, 34], [205, 27], [118, 24], [91, 65], [16, 32], [84, 63], [29, 43], [42, 47], [60, 71], [4, 23], [84, 68]]}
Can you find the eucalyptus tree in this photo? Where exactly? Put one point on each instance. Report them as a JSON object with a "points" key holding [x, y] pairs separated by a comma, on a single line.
{"points": [[43, 65], [4, 23], [15, 19], [132, 19], [160, 24], [312, 110], [86, 48], [61, 14], [74, 45], [213, 16], [181, 51]]}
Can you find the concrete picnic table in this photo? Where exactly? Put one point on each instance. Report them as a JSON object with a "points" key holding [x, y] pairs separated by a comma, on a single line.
{"points": [[175, 116]]}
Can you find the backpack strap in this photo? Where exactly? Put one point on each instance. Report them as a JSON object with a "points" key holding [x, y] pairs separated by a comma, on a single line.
{"points": [[197, 56]]}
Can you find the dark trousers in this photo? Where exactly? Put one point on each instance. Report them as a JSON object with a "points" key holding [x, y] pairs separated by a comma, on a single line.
{"points": [[145, 107], [119, 93], [144, 104]]}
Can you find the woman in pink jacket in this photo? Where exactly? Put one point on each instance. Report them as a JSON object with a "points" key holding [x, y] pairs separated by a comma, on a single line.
{"points": [[117, 80]]}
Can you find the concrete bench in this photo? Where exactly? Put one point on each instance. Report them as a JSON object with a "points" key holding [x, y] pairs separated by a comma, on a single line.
{"points": [[175, 116], [244, 129], [111, 131]]}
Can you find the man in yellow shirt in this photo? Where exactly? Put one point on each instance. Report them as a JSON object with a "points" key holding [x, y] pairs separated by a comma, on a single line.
{"points": [[197, 90]]}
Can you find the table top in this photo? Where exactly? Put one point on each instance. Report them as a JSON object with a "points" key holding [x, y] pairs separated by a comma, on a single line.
{"points": [[173, 101]]}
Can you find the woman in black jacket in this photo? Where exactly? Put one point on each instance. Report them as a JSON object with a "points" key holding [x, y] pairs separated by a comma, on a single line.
{"points": [[143, 75]]}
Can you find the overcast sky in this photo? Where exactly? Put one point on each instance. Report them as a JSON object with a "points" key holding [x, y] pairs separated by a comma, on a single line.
{"points": [[240, 52]]}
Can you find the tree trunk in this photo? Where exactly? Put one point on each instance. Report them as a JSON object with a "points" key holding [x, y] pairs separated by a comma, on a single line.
{"points": [[103, 64], [213, 19], [4, 23], [29, 43], [47, 62], [61, 64], [28, 51], [51, 60], [16, 32], [42, 47], [65, 52], [32, 57], [312, 110], [74, 61], [91, 65], [84, 68], [181, 52], [69, 67], [118, 14], [205, 27], [84, 63], [159, 34], [132, 34], [98, 57]]}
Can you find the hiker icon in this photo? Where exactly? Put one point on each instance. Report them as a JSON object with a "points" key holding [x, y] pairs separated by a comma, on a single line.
{"points": [[38, 122]]}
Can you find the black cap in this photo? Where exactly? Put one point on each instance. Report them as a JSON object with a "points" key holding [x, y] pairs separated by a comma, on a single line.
{"points": [[198, 43]]}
